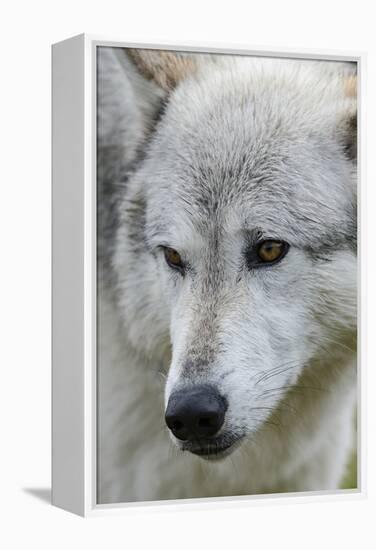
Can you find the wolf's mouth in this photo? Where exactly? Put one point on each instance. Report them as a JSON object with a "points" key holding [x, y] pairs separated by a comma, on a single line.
{"points": [[212, 450]]}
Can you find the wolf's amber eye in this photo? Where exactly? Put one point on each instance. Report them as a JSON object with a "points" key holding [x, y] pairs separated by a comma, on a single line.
{"points": [[173, 258], [271, 251]]}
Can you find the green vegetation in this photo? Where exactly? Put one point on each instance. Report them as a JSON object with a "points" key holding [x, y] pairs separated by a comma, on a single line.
{"points": [[350, 478]]}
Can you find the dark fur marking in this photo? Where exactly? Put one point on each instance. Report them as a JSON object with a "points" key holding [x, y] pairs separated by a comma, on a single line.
{"points": [[350, 141]]}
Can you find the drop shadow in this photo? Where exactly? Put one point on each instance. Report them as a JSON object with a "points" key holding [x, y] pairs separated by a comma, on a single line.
{"points": [[41, 493]]}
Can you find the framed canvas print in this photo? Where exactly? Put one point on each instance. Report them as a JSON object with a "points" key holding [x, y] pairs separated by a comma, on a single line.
{"points": [[205, 274]]}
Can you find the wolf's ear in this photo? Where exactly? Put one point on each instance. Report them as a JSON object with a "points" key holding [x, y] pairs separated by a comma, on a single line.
{"points": [[348, 124], [165, 68]]}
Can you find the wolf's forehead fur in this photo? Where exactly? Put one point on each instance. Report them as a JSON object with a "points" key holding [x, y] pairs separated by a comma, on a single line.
{"points": [[261, 139]]}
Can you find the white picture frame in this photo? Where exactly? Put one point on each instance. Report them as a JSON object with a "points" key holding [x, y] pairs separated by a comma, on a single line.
{"points": [[74, 389]]}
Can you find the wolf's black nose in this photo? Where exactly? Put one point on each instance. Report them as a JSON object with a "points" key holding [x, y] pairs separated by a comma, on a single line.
{"points": [[195, 413]]}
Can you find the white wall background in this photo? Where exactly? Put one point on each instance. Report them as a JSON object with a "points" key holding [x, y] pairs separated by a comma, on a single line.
{"points": [[27, 30]]}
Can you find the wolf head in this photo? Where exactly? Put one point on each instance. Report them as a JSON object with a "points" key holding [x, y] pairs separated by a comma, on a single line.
{"points": [[236, 236]]}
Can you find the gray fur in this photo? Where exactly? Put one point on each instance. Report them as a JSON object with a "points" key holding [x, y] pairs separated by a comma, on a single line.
{"points": [[242, 149]]}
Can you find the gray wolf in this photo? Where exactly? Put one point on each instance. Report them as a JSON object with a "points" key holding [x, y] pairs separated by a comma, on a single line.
{"points": [[226, 274]]}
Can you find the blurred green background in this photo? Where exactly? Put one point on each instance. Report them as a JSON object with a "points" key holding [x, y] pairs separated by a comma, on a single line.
{"points": [[350, 478]]}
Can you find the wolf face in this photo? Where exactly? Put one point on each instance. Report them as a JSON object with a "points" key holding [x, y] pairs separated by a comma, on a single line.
{"points": [[235, 250]]}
